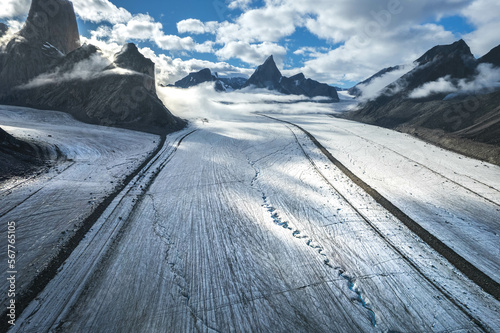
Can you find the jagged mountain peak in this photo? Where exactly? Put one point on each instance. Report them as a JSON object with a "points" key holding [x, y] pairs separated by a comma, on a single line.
{"points": [[298, 77], [458, 48], [52, 22], [3, 29], [492, 57], [266, 75], [131, 58]]}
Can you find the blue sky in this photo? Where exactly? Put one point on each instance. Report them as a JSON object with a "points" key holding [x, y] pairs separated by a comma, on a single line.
{"points": [[336, 41]]}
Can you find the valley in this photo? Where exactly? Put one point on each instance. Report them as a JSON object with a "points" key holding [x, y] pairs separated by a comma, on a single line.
{"points": [[240, 223]]}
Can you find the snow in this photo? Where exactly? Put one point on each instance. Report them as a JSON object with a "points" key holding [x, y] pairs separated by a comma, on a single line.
{"points": [[242, 224], [454, 197], [49, 209]]}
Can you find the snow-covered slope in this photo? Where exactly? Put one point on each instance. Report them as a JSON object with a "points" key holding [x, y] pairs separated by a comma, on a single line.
{"points": [[49, 209], [247, 227]]}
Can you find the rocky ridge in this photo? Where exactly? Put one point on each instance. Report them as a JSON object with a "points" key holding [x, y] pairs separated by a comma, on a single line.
{"points": [[466, 121], [44, 67]]}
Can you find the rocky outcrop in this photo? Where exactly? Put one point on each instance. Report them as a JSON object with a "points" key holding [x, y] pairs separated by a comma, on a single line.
{"points": [[300, 85], [49, 33], [44, 67], [3, 29], [229, 83], [355, 91], [467, 121], [17, 157], [195, 78], [52, 22], [269, 77], [110, 97], [205, 75], [266, 76], [492, 57]]}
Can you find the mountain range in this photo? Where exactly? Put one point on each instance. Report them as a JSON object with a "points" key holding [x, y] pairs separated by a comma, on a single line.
{"points": [[266, 76], [444, 99], [44, 66], [205, 75]]}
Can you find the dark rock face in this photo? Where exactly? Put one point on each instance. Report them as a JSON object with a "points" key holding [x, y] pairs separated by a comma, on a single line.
{"points": [[17, 157], [269, 77], [266, 76], [355, 91], [130, 58], [107, 98], [229, 83], [49, 33], [463, 123], [3, 29], [52, 22], [299, 85], [205, 75], [193, 79], [73, 79], [492, 57], [455, 61]]}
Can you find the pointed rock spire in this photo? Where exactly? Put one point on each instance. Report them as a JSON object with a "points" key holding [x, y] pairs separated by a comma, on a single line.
{"points": [[267, 75], [52, 22]]}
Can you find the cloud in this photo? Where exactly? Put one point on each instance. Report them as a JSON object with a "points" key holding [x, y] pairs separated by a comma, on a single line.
{"points": [[372, 35], [169, 70], [359, 36], [374, 88], [195, 26], [239, 4], [101, 11], [88, 10], [442, 85], [483, 15], [186, 103], [486, 80], [14, 8], [254, 54], [14, 27], [84, 70], [354, 61], [142, 27]]}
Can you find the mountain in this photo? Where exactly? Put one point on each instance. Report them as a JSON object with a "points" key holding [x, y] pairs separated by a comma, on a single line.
{"points": [[105, 96], [229, 83], [492, 57], [53, 23], [300, 85], [193, 79], [49, 33], [3, 29], [266, 76], [466, 121], [356, 91], [205, 75], [269, 77], [45, 67]]}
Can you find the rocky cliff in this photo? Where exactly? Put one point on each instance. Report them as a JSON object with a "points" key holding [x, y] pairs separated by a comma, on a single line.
{"points": [[269, 77], [44, 67], [466, 121]]}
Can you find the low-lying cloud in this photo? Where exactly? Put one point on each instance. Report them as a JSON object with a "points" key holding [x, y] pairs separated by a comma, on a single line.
{"points": [[487, 80], [85, 70], [203, 100], [375, 87]]}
